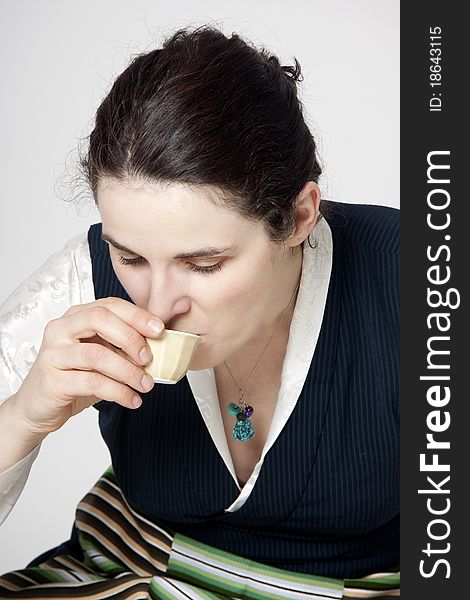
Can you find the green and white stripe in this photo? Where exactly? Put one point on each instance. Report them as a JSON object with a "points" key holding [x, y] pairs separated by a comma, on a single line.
{"points": [[228, 573], [129, 557]]}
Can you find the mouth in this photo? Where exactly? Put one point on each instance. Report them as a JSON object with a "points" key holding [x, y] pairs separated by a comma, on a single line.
{"points": [[182, 330], [191, 332]]}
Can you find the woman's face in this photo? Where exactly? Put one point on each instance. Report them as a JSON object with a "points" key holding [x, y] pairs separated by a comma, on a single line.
{"points": [[199, 267]]}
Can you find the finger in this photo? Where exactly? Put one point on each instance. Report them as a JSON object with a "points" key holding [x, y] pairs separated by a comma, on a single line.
{"points": [[96, 357], [77, 384], [99, 320], [95, 339], [140, 318]]}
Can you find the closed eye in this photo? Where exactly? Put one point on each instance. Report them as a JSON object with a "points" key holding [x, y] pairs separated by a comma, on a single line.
{"points": [[131, 261], [208, 269]]}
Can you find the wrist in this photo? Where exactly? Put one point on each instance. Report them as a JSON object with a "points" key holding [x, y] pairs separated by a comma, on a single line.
{"points": [[17, 439]]}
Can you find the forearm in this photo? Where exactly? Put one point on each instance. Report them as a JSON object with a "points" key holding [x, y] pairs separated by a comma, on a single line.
{"points": [[16, 441]]}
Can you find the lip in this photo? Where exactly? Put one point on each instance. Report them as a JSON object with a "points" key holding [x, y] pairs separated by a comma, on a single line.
{"points": [[184, 331]]}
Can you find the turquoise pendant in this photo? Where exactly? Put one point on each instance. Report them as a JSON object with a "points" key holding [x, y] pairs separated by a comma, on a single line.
{"points": [[243, 429]]}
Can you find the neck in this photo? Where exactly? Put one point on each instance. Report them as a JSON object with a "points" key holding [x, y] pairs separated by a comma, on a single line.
{"points": [[285, 302], [242, 360]]}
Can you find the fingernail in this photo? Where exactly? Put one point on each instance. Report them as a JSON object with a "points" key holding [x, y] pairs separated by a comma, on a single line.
{"points": [[147, 382], [155, 326], [136, 401], [145, 355]]}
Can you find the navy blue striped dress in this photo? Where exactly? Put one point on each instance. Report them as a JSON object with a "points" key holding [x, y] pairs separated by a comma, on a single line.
{"points": [[327, 498]]}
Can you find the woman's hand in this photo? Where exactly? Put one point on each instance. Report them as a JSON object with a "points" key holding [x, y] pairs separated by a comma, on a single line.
{"points": [[77, 365]]}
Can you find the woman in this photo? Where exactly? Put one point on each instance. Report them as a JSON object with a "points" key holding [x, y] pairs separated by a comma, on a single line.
{"points": [[271, 469]]}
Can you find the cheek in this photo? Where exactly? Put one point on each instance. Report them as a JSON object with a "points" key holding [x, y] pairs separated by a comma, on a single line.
{"points": [[242, 291]]}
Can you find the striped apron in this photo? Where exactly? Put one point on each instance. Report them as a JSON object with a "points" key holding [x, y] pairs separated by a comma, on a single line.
{"points": [[127, 556]]}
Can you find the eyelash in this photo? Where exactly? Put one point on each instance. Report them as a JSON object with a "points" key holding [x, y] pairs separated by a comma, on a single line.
{"points": [[206, 270]]}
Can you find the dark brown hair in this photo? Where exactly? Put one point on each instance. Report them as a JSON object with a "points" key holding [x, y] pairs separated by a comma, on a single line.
{"points": [[209, 110]]}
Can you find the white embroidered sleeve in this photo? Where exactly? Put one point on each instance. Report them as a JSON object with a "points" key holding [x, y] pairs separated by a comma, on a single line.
{"points": [[65, 279]]}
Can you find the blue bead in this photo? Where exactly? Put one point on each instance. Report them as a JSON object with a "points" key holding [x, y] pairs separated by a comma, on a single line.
{"points": [[233, 409]]}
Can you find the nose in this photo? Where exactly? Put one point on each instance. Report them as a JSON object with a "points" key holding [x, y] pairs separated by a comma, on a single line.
{"points": [[168, 298]]}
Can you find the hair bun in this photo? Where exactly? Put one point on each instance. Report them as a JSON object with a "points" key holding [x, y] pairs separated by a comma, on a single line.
{"points": [[293, 73]]}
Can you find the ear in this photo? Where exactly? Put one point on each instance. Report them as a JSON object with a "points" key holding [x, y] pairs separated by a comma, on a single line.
{"points": [[307, 211]]}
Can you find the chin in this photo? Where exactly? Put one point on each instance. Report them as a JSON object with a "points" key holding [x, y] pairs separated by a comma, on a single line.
{"points": [[197, 364], [202, 360]]}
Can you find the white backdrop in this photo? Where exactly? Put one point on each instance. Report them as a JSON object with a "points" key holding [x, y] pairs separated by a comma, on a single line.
{"points": [[58, 59]]}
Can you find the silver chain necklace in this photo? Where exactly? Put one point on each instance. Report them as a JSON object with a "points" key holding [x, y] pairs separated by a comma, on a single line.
{"points": [[243, 429]]}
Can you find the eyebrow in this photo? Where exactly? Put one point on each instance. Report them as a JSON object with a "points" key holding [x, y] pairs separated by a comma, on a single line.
{"points": [[201, 253]]}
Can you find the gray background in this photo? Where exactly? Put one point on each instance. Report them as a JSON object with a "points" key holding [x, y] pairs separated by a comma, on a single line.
{"points": [[59, 58]]}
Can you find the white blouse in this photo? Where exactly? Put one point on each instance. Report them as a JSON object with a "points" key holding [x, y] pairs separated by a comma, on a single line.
{"points": [[65, 279]]}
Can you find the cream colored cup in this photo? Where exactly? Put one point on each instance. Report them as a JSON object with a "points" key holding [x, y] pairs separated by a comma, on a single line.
{"points": [[172, 352]]}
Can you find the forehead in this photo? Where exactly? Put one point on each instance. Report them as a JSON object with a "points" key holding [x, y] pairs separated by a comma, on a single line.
{"points": [[134, 211]]}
